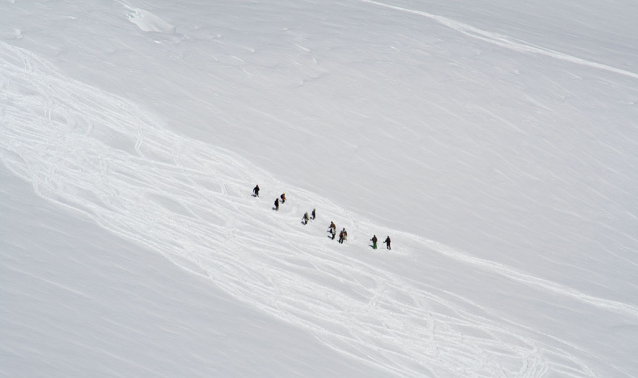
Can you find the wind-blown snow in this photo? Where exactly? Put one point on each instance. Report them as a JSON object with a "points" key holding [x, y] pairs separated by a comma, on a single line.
{"points": [[503, 169], [149, 22]]}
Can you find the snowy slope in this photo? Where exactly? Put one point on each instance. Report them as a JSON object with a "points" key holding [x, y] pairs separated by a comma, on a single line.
{"points": [[497, 148], [78, 302]]}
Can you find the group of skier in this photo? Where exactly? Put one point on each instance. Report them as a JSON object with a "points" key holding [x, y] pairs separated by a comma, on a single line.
{"points": [[343, 234], [305, 218], [332, 229], [374, 241], [281, 199]]}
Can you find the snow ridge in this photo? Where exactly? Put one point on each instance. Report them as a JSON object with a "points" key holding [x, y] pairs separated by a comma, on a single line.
{"points": [[95, 153], [618, 307], [505, 41]]}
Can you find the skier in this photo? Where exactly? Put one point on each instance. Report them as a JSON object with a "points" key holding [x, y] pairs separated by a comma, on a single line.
{"points": [[387, 241], [313, 215], [332, 229], [305, 218], [256, 191], [283, 198], [343, 236], [374, 242], [277, 204]]}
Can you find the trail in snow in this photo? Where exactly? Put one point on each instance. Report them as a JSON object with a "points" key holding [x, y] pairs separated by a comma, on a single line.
{"points": [[617, 307], [505, 41], [97, 154]]}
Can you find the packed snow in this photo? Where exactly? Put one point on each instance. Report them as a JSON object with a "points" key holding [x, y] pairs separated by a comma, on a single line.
{"points": [[495, 142]]}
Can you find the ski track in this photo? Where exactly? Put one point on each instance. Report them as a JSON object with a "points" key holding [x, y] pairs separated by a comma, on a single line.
{"points": [[505, 41], [98, 154]]}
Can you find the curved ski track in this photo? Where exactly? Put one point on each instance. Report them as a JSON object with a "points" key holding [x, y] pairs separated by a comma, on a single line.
{"points": [[505, 41], [95, 153]]}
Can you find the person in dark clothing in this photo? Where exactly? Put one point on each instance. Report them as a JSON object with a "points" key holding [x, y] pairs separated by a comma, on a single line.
{"points": [[305, 218], [332, 230], [313, 215], [256, 191], [283, 198], [387, 241], [276, 203], [374, 241]]}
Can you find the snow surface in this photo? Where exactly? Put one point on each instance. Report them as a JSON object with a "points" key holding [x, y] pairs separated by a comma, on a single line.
{"points": [[496, 142]]}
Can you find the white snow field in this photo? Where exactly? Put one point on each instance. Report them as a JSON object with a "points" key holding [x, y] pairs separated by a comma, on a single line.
{"points": [[495, 142]]}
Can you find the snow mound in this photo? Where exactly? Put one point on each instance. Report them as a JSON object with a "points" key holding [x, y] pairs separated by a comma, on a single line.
{"points": [[149, 22]]}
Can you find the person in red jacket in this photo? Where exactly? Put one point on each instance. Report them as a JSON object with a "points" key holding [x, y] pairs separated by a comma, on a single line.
{"points": [[343, 236]]}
